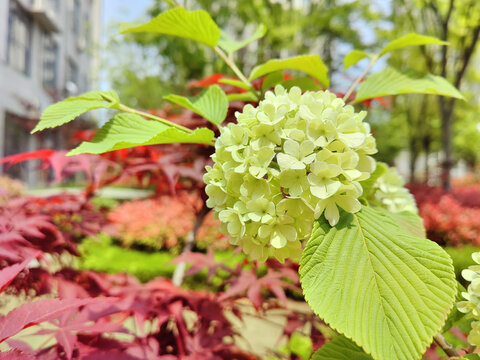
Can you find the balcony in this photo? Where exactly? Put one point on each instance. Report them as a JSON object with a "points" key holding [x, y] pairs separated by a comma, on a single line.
{"points": [[43, 15]]}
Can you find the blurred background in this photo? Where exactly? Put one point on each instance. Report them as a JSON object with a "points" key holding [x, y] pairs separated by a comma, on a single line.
{"points": [[52, 49], [132, 212]]}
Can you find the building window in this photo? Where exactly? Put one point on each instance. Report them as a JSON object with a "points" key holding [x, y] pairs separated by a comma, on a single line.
{"points": [[50, 56], [16, 140], [19, 39]]}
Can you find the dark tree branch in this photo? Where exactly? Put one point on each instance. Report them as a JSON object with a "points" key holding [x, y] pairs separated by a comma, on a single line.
{"points": [[467, 55], [445, 346]]}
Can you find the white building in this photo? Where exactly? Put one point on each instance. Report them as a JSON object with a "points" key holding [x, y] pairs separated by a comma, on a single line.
{"points": [[48, 51]]}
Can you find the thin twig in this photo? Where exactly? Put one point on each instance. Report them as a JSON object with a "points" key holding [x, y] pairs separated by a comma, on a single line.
{"points": [[125, 108], [446, 347], [349, 92], [231, 64]]}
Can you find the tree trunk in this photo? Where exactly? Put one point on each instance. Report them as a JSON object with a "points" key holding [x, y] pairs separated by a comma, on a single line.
{"points": [[413, 158], [446, 108], [426, 149], [179, 272]]}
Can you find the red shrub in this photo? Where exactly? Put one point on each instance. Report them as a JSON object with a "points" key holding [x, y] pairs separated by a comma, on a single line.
{"points": [[163, 221], [450, 218]]}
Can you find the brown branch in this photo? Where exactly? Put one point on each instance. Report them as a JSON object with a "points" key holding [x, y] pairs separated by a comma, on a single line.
{"points": [[467, 55], [445, 346], [179, 272]]}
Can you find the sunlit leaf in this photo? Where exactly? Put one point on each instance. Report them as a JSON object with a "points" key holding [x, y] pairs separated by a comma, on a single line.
{"points": [[246, 96], [129, 130], [309, 64], [195, 25], [353, 57], [211, 103], [272, 79], [340, 348], [236, 83], [411, 39], [305, 83], [411, 223], [230, 45], [67, 110], [393, 82], [373, 282]]}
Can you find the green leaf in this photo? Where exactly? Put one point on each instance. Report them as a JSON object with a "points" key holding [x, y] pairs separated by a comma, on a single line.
{"points": [[67, 110], [411, 39], [387, 290], [353, 57], [340, 348], [309, 64], [230, 45], [195, 25], [301, 346], [271, 80], [470, 357], [305, 83], [393, 82], [211, 103], [130, 130], [236, 83], [455, 315], [411, 223], [246, 96]]}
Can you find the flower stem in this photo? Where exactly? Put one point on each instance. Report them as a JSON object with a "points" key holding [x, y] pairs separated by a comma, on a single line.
{"points": [[350, 90], [445, 346], [231, 64], [125, 108]]}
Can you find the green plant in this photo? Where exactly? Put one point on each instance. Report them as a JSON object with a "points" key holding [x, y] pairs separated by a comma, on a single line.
{"points": [[296, 168]]}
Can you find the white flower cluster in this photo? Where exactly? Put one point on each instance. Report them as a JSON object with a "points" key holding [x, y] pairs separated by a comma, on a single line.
{"points": [[391, 193], [472, 296], [285, 163]]}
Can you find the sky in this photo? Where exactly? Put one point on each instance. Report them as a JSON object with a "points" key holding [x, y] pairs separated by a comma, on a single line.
{"points": [[123, 10]]}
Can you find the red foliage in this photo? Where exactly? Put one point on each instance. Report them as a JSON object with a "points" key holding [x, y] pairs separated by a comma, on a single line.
{"points": [[165, 221], [450, 218], [170, 322]]}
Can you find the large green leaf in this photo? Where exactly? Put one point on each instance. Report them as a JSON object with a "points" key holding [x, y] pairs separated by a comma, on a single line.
{"points": [[393, 82], [411, 39], [309, 64], [455, 315], [69, 109], [195, 25], [129, 130], [411, 223], [230, 45], [367, 278], [340, 348], [353, 57], [211, 103]]}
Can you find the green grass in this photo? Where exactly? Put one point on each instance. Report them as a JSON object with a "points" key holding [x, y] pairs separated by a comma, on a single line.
{"points": [[103, 255]]}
